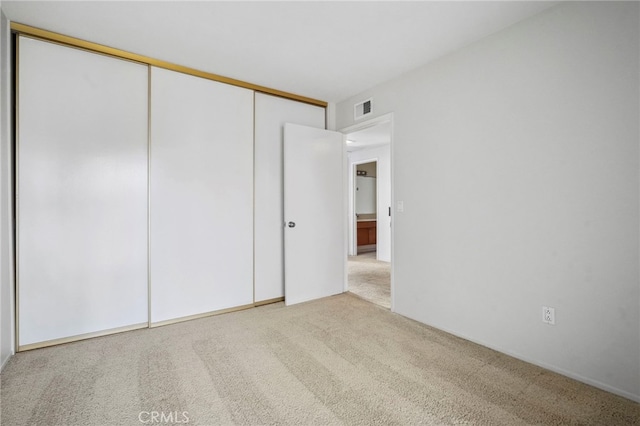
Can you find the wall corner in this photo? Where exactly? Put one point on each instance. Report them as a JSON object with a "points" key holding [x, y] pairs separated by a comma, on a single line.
{"points": [[331, 116]]}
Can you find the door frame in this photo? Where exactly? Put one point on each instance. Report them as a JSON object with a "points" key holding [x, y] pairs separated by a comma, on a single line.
{"points": [[386, 118], [353, 219]]}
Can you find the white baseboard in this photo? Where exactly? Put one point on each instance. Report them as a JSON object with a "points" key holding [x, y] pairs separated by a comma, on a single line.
{"points": [[553, 368], [4, 362]]}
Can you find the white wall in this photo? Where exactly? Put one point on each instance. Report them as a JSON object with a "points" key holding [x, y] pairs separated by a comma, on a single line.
{"points": [[6, 246], [331, 116], [383, 182], [517, 162]]}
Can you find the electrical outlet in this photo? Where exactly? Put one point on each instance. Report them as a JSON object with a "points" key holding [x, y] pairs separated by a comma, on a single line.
{"points": [[548, 315]]}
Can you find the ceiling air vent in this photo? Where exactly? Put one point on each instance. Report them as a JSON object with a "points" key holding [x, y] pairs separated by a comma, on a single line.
{"points": [[362, 109]]}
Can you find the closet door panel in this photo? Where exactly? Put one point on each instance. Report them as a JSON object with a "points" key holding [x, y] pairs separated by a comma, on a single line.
{"points": [[271, 114], [201, 196], [81, 193]]}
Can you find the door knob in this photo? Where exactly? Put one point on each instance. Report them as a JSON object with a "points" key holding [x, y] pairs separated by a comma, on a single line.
{"points": [[292, 224]]}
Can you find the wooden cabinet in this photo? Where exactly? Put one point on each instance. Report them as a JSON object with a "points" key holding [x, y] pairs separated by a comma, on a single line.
{"points": [[366, 232]]}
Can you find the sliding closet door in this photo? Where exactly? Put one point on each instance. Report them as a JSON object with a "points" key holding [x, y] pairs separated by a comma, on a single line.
{"points": [[271, 114], [81, 194], [201, 196]]}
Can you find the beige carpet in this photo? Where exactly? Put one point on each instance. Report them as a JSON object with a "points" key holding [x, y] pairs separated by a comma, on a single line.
{"points": [[370, 279], [338, 360]]}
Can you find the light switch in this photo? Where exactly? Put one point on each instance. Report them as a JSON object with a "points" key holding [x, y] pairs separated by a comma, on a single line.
{"points": [[400, 206]]}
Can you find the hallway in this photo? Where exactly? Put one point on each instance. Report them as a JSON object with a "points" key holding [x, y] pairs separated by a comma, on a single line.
{"points": [[370, 279]]}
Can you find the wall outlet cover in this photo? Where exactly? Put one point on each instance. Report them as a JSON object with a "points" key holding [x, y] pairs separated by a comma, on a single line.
{"points": [[548, 315]]}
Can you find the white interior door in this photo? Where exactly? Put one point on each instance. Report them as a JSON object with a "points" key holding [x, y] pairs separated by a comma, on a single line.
{"points": [[271, 113], [315, 214]]}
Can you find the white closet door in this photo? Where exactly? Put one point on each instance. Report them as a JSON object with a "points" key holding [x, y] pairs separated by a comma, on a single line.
{"points": [[271, 114], [201, 196], [81, 193]]}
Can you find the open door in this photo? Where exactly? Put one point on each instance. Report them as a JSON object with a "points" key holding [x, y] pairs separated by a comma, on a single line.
{"points": [[314, 212]]}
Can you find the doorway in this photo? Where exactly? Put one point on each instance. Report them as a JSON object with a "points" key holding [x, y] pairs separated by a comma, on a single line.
{"points": [[365, 206], [369, 212]]}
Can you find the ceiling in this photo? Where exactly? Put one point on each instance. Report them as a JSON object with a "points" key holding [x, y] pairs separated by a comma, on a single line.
{"points": [[324, 50], [370, 137]]}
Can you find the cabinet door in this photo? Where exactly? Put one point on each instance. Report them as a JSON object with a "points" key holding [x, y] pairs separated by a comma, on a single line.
{"points": [[363, 236], [271, 114], [372, 235], [81, 193], [201, 196]]}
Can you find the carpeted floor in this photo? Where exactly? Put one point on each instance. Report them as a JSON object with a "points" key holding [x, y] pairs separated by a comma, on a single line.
{"points": [[338, 360], [370, 279]]}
